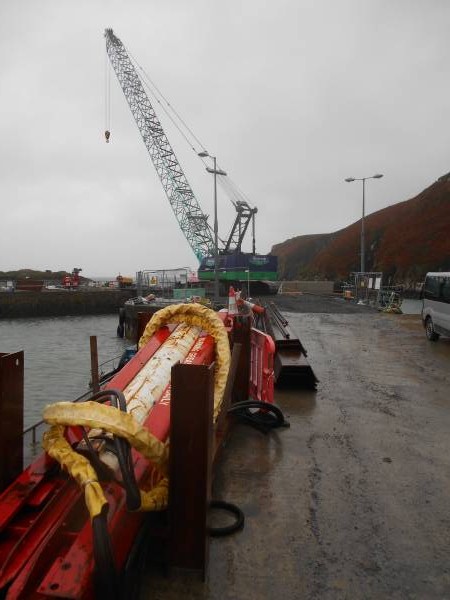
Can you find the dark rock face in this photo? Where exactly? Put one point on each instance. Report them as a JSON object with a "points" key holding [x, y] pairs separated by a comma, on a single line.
{"points": [[404, 241]]}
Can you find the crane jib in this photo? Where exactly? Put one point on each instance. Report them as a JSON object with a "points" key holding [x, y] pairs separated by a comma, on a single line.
{"points": [[184, 204]]}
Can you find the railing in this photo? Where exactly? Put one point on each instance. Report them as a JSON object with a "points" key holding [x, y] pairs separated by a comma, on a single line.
{"points": [[104, 375], [30, 450], [114, 362]]}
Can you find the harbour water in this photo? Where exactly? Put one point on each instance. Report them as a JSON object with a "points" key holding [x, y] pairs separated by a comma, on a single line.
{"points": [[57, 355]]}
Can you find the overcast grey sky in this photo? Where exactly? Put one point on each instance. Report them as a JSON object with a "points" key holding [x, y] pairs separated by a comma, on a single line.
{"points": [[292, 96]]}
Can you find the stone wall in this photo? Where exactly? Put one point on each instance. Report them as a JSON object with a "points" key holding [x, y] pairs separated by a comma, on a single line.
{"points": [[307, 287], [61, 302]]}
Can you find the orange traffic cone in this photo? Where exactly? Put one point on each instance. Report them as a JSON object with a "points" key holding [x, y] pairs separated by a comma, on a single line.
{"points": [[232, 306]]}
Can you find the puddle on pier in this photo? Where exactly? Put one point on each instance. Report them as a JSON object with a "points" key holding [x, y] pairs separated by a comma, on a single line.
{"points": [[301, 402]]}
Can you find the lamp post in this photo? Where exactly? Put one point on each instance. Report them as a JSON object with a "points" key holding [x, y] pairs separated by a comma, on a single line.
{"points": [[248, 283], [363, 179], [215, 171]]}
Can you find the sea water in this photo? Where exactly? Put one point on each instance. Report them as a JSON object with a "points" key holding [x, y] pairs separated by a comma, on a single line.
{"points": [[57, 355]]}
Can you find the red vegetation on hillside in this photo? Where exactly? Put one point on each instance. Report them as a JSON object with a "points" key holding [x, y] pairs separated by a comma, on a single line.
{"points": [[404, 241]]}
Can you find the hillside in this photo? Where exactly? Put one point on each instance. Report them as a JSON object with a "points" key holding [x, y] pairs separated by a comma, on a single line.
{"points": [[404, 241], [34, 275]]}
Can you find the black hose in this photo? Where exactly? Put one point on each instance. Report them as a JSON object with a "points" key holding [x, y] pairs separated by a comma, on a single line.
{"points": [[123, 450], [106, 581], [268, 416], [228, 529], [105, 573], [136, 563], [103, 472]]}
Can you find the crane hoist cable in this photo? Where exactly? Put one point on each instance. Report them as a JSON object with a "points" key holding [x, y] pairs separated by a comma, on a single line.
{"points": [[185, 206], [232, 190], [227, 184], [166, 111], [187, 210], [107, 99], [151, 86]]}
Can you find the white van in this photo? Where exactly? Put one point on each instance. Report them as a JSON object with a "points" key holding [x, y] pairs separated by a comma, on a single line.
{"points": [[436, 305]]}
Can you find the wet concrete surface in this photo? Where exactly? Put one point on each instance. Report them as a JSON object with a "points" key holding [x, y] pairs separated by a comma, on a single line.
{"points": [[353, 500]]}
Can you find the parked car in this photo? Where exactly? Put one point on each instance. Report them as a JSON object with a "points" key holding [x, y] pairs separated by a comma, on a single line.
{"points": [[436, 305]]}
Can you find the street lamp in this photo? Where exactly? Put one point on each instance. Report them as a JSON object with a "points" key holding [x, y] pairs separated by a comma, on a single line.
{"points": [[215, 172], [363, 179]]}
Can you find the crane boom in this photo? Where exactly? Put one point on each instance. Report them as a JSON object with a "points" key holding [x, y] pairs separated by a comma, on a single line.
{"points": [[190, 217]]}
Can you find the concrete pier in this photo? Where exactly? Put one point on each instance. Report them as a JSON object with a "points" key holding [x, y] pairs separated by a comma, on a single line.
{"points": [[353, 500]]}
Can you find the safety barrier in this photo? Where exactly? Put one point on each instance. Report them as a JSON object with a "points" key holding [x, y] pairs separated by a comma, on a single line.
{"points": [[261, 367]]}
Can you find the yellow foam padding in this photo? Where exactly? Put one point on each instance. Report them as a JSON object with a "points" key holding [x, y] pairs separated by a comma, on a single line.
{"points": [[157, 498], [208, 320], [56, 445], [92, 414]]}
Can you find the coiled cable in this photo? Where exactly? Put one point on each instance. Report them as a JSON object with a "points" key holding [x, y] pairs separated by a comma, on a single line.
{"points": [[267, 416]]}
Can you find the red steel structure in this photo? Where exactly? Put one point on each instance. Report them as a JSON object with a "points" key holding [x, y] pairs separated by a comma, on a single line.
{"points": [[46, 537]]}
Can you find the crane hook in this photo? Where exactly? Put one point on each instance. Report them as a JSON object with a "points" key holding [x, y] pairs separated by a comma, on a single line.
{"points": [[107, 134]]}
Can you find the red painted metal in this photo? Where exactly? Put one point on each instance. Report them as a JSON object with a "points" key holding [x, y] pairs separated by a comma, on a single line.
{"points": [[123, 526], [20, 491], [46, 545], [132, 368], [30, 531], [17, 499], [261, 385]]}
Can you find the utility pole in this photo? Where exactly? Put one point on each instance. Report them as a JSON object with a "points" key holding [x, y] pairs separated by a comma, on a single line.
{"points": [[215, 171], [363, 241]]}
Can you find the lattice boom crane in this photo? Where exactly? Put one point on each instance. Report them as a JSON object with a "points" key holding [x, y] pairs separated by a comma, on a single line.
{"points": [[192, 220], [234, 265]]}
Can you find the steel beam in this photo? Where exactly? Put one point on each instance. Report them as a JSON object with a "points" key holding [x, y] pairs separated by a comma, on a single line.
{"points": [[11, 417], [190, 464]]}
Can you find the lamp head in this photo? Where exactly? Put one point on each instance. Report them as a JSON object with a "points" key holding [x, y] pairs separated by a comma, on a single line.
{"points": [[203, 154], [350, 179], [378, 176], [216, 171]]}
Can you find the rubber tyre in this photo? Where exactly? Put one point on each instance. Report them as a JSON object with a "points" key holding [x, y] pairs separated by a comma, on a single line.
{"points": [[432, 336]]}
